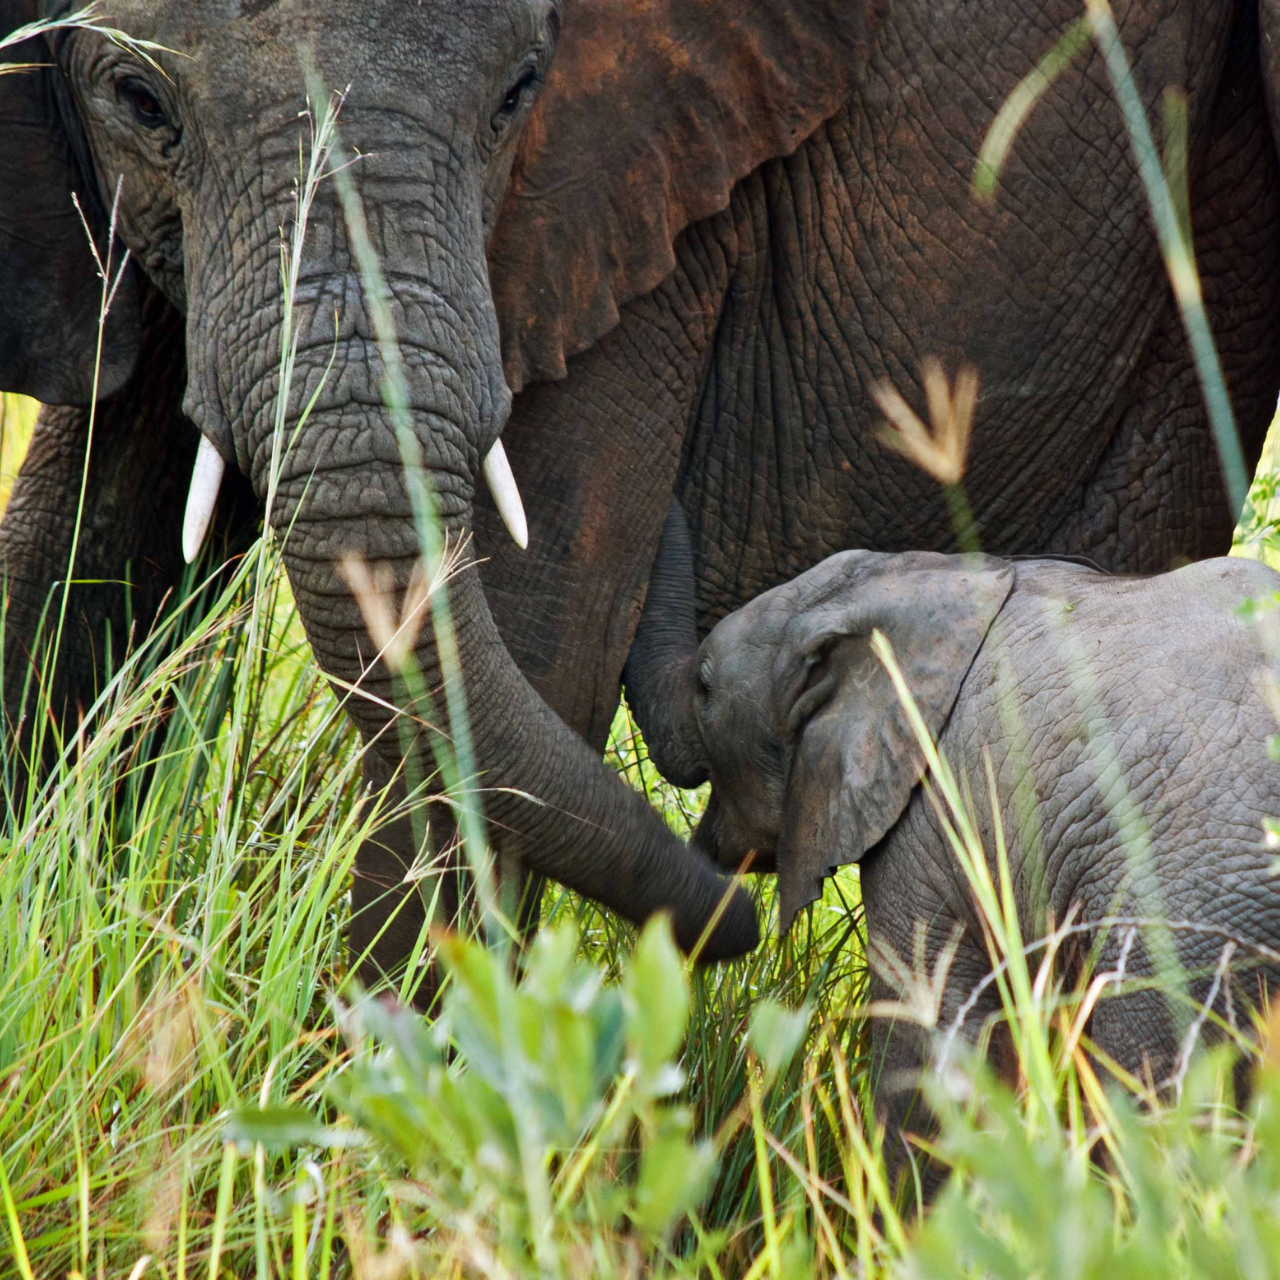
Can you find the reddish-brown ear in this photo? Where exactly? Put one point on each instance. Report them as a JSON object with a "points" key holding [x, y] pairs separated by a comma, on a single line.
{"points": [[652, 111]]}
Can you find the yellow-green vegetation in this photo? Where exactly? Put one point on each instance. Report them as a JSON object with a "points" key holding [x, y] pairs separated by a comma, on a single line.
{"points": [[17, 419], [1258, 533]]}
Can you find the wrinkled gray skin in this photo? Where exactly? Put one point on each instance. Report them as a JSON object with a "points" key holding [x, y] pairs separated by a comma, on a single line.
{"points": [[738, 382], [208, 159], [1102, 701]]}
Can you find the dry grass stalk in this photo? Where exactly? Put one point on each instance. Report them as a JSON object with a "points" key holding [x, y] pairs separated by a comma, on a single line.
{"points": [[944, 451], [396, 632]]}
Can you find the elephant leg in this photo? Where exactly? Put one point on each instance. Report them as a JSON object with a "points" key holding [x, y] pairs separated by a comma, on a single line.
{"points": [[1152, 1034], [902, 1050], [390, 902], [929, 965], [394, 893], [128, 555]]}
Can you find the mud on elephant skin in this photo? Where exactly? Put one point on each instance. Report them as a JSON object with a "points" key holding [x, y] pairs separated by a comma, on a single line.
{"points": [[1078, 683]]}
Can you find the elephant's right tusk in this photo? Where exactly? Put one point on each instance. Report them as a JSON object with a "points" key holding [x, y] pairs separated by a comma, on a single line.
{"points": [[206, 479], [506, 497]]}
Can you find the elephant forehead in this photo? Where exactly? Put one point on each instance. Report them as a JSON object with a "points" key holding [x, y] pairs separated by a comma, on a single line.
{"points": [[743, 645], [438, 50]]}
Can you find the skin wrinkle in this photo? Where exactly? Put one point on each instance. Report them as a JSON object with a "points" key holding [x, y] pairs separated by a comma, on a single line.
{"points": [[725, 587], [1235, 251]]}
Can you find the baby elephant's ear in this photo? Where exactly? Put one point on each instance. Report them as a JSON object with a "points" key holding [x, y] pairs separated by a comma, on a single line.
{"points": [[857, 759]]}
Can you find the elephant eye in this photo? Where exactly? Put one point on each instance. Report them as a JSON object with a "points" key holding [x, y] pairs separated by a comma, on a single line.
{"points": [[704, 677], [144, 104], [518, 91]]}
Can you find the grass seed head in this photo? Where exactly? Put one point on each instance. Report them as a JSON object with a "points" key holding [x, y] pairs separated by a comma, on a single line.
{"points": [[943, 452]]}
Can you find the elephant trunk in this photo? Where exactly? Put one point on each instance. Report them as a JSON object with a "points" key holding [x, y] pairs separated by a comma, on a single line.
{"points": [[661, 671], [545, 795], [340, 490]]}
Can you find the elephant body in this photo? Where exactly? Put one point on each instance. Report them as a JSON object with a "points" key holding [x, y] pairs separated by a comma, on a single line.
{"points": [[743, 380], [692, 235], [1133, 780], [1125, 731]]}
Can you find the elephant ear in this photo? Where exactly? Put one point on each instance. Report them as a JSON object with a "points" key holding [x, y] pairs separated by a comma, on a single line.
{"points": [[857, 758], [50, 289], [652, 111]]}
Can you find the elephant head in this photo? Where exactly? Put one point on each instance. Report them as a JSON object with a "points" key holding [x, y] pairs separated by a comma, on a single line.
{"points": [[787, 710], [201, 140]]}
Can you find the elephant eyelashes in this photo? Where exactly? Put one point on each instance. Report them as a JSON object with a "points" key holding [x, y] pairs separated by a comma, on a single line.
{"points": [[517, 94], [143, 103]]}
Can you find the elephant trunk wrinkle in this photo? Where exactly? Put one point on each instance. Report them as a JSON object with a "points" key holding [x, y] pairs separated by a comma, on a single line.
{"points": [[437, 301], [546, 797]]}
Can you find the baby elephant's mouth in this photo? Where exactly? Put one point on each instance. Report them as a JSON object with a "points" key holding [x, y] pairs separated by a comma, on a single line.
{"points": [[715, 837]]}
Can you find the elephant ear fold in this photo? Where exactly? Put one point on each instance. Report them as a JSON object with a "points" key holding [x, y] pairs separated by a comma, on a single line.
{"points": [[652, 111], [50, 288], [857, 759]]}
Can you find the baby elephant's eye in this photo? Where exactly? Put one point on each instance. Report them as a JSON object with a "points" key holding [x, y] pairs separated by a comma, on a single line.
{"points": [[704, 677]]}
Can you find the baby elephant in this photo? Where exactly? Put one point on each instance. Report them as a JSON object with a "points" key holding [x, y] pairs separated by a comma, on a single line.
{"points": [[1128, 740]]}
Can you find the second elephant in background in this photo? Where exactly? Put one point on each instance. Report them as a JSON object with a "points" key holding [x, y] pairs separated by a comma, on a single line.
{"points": [[1127, 739]]}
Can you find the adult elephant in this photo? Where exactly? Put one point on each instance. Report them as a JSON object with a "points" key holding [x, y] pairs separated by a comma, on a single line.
{"points": [[724, 221]]}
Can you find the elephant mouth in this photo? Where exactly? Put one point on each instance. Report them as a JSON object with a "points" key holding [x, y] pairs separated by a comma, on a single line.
{"points": [[715, 838]]}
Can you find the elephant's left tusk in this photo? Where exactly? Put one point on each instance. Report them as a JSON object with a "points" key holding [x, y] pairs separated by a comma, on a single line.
{"points": [[506, 497], [206, 478]]}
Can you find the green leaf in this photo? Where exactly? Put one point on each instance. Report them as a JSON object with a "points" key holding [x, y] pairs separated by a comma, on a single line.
{"points": [[656, 991], [282, 1128], [551, 962], [472, 1005], [609, 1020], [673, 1175], [400, 1029], [776, 1032]]}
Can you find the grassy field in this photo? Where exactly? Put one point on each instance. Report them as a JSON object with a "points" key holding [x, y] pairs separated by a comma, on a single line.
{"points": [[189, 1088]]}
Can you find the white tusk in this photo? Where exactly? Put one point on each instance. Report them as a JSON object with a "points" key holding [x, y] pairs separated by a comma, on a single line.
{"points": [[206, 478], [506, 497]]}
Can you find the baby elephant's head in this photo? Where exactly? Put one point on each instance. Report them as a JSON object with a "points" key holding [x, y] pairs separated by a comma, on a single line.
{"points": [[810, 753]]}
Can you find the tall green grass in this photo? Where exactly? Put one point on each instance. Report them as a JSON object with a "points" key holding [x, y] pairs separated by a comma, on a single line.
{"points": [[191, 1086]]}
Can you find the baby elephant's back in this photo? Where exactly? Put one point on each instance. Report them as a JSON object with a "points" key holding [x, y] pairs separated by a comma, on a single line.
{"points": [[1135, 705]]}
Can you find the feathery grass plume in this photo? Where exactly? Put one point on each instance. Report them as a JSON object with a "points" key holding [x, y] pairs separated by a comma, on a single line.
{"points": [[374, 590], [86, 19], [942, 452]]}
